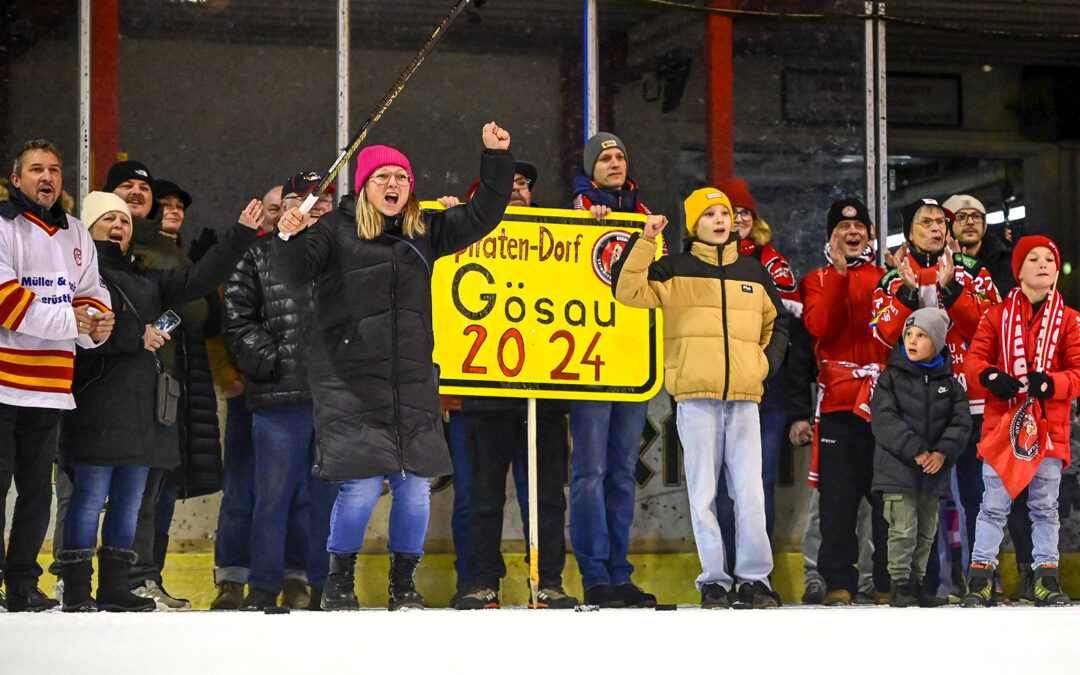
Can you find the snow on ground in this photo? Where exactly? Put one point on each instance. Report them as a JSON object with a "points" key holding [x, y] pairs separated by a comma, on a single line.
{"points": [[875, 640]]}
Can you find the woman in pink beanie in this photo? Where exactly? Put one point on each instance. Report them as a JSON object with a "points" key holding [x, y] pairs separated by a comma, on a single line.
{"points": [[373, 383]]}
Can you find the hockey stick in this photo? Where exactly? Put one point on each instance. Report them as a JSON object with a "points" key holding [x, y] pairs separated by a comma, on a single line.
{"points": [[378, 112]]}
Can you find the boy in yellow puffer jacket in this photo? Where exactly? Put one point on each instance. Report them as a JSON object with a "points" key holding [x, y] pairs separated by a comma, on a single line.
{"points": [[722, 338]]}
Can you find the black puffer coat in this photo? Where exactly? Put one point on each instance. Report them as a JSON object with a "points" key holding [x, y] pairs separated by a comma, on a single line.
{"points": [[266, 329], [114, 422], [915, 410], [372, 379]]}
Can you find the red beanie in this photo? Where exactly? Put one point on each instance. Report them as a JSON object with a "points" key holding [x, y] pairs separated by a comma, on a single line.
{"points": [[373, 157], [737, 191], [1024, 246]]}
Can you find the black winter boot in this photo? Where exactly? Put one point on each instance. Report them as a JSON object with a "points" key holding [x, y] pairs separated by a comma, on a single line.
{"points": [[113, 594], [77, 569], [27, 597], [1027, 583], [1047, 591], [980, 586], [926, 594], [403, 593], [903, 593], [339, 592]]}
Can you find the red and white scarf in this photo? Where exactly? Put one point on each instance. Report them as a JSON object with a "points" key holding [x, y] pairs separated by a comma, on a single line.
{"points": [[1016, 445], [1014, 330]]}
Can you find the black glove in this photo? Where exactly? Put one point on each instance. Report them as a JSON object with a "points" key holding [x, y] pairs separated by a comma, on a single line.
{"points": [[999, 383], [207, 238], [1040, 385], [1068, 494]]}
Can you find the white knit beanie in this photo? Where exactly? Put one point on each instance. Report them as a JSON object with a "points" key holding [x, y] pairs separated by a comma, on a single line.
{"points": [[97, 204]]}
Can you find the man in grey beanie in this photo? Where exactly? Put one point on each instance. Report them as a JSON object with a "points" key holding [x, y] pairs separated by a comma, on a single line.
{"points": [[606, 434]]}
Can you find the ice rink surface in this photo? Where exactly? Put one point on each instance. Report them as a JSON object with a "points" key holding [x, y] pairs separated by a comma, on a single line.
{"points": [[689, 640]]}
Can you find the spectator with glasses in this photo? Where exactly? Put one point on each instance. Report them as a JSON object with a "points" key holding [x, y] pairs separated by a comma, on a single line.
{"points": [[989, 248], [931, 273], [373, 383]]}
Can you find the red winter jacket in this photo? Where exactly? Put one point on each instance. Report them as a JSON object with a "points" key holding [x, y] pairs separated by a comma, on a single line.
{"points": [[965, 299], [837, 312], [985, 352]]}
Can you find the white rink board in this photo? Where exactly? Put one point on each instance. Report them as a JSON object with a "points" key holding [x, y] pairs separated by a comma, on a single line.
{"points": [[690, 640]]}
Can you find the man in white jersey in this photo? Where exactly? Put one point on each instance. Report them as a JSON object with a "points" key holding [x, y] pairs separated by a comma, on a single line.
{"points": [[51, 300]]}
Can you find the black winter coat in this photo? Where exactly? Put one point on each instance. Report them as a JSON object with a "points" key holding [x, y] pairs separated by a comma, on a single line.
{"points": [[996, 256], [372, 379], [114, 422], [915, 410], [185, 357], [267, 324]]}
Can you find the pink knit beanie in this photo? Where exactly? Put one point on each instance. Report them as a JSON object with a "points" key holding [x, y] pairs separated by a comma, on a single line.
{"points": [[373, 157]]}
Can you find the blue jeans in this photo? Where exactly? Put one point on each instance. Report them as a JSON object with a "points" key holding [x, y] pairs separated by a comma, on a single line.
{"points": [[462, 484], [1042, 509], [719, 435], [408, 513], [231, 548], [607, 440], [773, 422], [123, 485], [284, 441]]}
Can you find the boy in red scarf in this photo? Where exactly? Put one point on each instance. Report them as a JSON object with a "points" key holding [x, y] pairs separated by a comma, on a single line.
{"points": [[1026, 352]]}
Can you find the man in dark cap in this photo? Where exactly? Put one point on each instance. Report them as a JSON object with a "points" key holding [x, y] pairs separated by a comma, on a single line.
{"points": [[496, 441], [158, 248], [266, 324], [836, 311], [174, 203], [132, 182]]}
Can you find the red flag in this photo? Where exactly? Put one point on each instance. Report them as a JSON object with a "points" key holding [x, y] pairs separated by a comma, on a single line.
{"points": [[1015, 448]]}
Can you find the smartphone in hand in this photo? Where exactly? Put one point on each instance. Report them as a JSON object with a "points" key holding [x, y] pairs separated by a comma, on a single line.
{"points": [[167, 321]]}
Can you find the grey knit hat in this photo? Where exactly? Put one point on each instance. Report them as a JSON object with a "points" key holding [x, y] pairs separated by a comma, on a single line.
{"points": [[600, 142], [933, 321]]}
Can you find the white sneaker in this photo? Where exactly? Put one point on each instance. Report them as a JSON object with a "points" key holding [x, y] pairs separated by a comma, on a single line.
{"points": [[165, 602]]}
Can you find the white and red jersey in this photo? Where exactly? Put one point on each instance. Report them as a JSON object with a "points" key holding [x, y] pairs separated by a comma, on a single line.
{"points": [[965, 302], [44, 272]]}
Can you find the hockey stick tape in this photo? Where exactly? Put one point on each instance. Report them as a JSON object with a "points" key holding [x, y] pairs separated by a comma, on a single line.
{"points": [[309, 202]]}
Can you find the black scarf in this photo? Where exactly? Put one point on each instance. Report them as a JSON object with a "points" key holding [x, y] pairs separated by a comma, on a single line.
{"points": [[20, 203]]}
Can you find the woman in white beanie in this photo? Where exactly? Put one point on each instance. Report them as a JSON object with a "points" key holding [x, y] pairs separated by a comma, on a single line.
{"points": [[115, 434]]}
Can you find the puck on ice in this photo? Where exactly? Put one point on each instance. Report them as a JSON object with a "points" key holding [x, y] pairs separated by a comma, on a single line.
{"points": [[666, 608], [276, 610]]}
